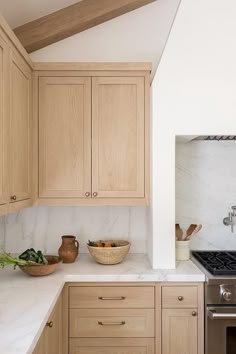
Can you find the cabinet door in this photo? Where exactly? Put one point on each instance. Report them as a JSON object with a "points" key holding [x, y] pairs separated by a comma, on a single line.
{"points": [[3, 121], [20, 128], [118, 131], [53, 331], [179, 331], [40, 346], [64, 137]]}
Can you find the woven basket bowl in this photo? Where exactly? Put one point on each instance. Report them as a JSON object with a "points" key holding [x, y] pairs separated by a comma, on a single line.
{"points": [[42, 269], [110, 255]]}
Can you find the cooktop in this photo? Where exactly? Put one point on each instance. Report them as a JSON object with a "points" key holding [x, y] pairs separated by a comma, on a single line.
{"points": [[217, 262]]}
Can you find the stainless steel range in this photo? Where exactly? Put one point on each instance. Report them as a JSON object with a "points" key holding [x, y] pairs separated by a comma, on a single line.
{"points": [[220, 300]]}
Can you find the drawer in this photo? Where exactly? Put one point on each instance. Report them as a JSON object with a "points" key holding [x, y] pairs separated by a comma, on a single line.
{"points": [[111, 297], [111, 323], [179, 296], [111, 346]]}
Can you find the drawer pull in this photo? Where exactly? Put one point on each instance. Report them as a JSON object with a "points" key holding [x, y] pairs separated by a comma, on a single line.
{"points": [[111, 323], [111, 298], [180, 298]]}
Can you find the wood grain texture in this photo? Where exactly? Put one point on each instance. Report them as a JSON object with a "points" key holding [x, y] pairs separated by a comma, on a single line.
{"points": [[64, 137], [71, 20], [101, 66], [179, 331], [112, 297], [9, 36], [53, 335], [112, 346], [4, 110], [187, 294], [137, 323], [118, 130], [20, 128]]}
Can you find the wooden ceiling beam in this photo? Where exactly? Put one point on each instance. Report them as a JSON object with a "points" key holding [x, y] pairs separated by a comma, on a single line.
{"points": [[71, 20]]}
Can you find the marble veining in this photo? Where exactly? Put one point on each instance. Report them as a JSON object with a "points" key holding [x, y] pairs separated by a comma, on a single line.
{"points": [[26, 302], [42, 227], [206, 190]]}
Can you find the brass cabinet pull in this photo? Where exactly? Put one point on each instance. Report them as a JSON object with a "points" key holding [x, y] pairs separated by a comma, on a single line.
{"points": [[180, 298], [87, 194], [111, 323], [95, 194], [49, 324], [111, 298], [13, 197], [194, 313]]}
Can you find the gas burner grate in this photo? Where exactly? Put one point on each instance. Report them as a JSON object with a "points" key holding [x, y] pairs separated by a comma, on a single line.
{"points": [[217, 262]]}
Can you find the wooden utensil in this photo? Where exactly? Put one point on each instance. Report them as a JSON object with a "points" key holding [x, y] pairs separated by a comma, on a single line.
{"points": [[193, 229], [178, 232]]}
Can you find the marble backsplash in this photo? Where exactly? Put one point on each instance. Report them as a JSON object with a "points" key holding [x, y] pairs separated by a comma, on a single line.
{"points": [[206, 190], [42, 227]]}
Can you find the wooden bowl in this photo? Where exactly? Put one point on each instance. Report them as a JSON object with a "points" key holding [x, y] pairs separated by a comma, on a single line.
{"points": [[42, 269], [110, 255]]}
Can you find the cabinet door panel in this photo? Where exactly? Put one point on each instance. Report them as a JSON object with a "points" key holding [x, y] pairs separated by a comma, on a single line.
{"points": [[53, 335], [118, 137], [111, 346], [179, 331], [3, 127], [64, 137], [20, 128]]}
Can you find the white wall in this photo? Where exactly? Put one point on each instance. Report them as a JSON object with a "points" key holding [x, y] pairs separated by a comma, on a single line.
{"points": [[139, 35], [42, 227], [206, 190], [193, 93]]}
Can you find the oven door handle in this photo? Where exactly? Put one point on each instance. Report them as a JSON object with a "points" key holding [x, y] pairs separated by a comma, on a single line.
{"points": [[214, 315]]}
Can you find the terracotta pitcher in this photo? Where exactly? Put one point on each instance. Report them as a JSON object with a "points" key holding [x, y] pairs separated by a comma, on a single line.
{"points": [[69, 249]]}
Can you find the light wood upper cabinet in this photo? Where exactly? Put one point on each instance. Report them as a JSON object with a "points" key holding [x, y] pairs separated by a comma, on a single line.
{"points": [[93, 138], [3, 121], [20, 129], [64, 137], [118, 137]]}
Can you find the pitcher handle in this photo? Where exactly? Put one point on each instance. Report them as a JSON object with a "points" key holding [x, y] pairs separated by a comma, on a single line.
{"points": [[77, 244]]}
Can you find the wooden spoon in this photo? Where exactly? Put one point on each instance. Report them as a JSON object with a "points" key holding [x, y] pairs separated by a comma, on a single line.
{"points": [[193, 229], [178, 232]]}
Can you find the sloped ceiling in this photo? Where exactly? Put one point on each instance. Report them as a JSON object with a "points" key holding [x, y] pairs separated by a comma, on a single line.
{"points": [[136, 36]]}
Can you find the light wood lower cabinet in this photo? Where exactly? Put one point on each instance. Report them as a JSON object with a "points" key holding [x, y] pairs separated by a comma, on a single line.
{"points": [[99, 324], [50, 341], [179, 331], [182, 324], [111, 346]]}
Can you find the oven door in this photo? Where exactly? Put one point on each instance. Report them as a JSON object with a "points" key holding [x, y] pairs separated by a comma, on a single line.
{"points": [[220, 330]]}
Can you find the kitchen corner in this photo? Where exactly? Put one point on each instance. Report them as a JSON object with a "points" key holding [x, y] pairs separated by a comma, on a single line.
{"points": [[26, 302]]}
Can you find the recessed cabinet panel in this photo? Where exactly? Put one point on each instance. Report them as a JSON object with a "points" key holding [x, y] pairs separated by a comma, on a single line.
{"points": [[19, 130], [111, 346], [64, 137], [118, 146], [179, 331], [3, 128], [111, 323]]}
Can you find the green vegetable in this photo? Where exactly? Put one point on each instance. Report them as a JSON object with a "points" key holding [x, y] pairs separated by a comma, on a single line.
{"points": [[91, 243], [6, 259], [31, 255]]}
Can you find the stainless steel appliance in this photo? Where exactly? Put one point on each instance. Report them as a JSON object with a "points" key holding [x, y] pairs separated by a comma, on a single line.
{"points": [[220, 300]]}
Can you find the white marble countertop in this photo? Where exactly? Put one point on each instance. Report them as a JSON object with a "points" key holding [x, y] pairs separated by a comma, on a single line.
{"points": [[26, 302]]}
